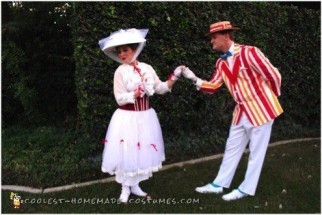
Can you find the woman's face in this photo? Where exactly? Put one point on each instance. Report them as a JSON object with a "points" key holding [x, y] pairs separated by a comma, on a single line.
{"points": [[125, 53]]}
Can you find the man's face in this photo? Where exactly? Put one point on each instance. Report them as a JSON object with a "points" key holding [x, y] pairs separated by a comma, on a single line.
{"points": [[219, 41]]}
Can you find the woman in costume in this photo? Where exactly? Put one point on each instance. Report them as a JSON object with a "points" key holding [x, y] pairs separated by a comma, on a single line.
{"points": [[134, 146]]}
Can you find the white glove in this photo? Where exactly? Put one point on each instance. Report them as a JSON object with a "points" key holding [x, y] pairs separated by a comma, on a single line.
{"points": [[177, 73], [187, 73]]}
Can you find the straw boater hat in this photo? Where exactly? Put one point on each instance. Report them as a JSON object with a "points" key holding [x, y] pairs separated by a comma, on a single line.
{"points": [[221, 26], [122, 37]]}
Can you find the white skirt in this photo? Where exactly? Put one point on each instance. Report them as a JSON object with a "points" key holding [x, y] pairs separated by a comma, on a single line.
{"points": [[133, 146]]}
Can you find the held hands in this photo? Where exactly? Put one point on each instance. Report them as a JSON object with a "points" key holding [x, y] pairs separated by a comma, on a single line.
{"points": [[187, 73], [177, 73]]}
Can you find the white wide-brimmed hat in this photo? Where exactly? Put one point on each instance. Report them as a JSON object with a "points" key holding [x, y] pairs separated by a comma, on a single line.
{"points": [[123, 37]]}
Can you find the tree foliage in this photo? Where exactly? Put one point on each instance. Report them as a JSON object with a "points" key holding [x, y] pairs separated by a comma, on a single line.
{"points": [[38, 69]]}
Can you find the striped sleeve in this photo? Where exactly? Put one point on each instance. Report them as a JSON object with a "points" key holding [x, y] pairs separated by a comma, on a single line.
{"points": [[213, 85], [263, 66]]}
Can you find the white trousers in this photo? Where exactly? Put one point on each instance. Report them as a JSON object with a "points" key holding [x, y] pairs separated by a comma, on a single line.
{"points": [[239, 136]]}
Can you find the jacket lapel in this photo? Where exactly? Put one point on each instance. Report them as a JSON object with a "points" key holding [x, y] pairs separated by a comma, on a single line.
{"points": [[236, 52], [232, 75]]}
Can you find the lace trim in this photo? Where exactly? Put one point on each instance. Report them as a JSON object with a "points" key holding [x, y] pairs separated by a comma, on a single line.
{"points": [[138, 172]]}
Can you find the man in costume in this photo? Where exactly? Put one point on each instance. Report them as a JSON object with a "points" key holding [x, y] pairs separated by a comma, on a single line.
{"points": [[254, 84]]}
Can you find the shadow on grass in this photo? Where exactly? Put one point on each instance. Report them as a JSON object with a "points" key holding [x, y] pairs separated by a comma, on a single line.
{"points": [[289, 183]]}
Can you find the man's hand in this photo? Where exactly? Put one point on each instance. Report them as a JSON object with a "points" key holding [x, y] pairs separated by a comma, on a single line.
{"points": [[187, 73]]}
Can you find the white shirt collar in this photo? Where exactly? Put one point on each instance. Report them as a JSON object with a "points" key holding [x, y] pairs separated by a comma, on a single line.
{"points": [[231, 49]]}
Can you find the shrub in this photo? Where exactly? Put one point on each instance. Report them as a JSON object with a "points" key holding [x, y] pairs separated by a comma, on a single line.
{"points": [[46, 157]]}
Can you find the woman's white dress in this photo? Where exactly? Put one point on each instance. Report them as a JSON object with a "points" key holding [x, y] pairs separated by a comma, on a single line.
{"points": [[133, 144]]}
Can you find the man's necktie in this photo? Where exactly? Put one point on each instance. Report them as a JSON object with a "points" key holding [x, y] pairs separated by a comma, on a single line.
{"points": [[226, 55]]}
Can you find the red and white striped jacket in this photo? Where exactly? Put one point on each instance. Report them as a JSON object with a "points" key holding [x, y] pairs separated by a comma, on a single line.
{"points": [[254, 83]]}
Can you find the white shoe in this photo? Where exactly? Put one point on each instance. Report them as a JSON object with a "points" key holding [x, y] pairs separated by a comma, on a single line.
{"points": [[234, 195], [125, 194], [136, 190], [209, 188]]}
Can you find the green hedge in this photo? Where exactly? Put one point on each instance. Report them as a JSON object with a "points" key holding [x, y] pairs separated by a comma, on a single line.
{"points": [[196, 124]]}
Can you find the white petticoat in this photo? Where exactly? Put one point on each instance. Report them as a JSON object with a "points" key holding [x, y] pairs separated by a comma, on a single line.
{"points": [[133, 146]]}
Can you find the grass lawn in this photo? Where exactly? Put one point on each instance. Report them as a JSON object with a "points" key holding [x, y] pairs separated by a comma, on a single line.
{"points": [[289, 183]]}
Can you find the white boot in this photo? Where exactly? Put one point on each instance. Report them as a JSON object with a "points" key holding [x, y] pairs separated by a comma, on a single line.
{"points": [[209, 188], [136, 190], [234, 195], [124, 197]]}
